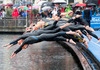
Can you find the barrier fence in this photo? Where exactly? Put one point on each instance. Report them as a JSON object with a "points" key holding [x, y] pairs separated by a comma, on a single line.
{"points": [[15, 25], [17, 22]]}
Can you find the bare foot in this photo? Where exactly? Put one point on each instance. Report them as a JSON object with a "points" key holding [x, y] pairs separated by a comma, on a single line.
{"points": [[89, 37], [86, 45], [98, 41], [89, 28], [80, 48], [71, 41]]}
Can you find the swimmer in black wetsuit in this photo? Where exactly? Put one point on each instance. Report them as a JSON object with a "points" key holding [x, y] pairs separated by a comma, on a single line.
{"points": [[80, 21], [38, 32], [43, 37]]}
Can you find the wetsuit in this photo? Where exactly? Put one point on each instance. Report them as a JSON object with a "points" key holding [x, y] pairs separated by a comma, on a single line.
{"points": [[46, 30], [42, 37]]}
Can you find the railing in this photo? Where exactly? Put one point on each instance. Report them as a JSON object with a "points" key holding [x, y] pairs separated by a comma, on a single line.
{"points": [[15, 24]]}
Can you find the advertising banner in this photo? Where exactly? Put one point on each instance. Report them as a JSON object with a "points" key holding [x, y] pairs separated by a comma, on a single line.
{"points": [[95, 22]]}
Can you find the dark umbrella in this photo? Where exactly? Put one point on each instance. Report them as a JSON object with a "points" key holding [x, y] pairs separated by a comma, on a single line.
{"points": [[73, 5], [23, 2], [91, 4], [63, 5], [29, 3], [59, 2], [15, 5], [46, 8], [47, 4]]}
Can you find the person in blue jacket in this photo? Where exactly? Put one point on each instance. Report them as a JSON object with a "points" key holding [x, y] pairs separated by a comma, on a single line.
{"points": [[24, 14], [87, 15]]}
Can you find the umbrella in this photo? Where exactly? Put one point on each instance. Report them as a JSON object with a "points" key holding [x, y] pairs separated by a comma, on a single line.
{"points": [[22, 2], [9, 4], [34, 7], [23, 7], [59, 2], [73, 5], [15, 5], [3, 5], [91, 4], [81, 4], [41, 2], [46, 4], [63, 5], [29, 3], [46, 8]]}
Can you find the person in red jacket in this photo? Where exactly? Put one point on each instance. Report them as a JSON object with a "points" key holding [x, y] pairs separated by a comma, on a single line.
{"points": [[62, 10], [15, 13]]}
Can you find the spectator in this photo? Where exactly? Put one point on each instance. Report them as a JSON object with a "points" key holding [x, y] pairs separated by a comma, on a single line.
{"points": [[98, 9], [87, 14], [20, 13], [54, 12], [49, 13], [57, 6], [9, 12], [62, 10], [58, 13], [3, 13], [95, 12], [0, 14], [44, 14], [68, 8], [69, 16], [24, 14], [93, 9], [15, 13]]}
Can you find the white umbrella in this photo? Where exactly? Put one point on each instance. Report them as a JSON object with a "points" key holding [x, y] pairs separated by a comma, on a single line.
{"points": [[46, 8], [41, 2], [59, 2]]}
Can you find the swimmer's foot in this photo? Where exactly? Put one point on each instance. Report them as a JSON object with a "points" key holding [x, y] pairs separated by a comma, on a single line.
{"points": [[80, 48], [71, 41], [98, 41], [86, 44], [89, 37]]}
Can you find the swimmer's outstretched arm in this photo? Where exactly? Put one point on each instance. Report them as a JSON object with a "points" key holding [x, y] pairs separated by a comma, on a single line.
{"points": [[6, 45], [18, 50]]}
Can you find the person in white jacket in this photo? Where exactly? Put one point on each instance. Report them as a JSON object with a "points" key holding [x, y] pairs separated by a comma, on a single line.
{"points": [[54, 12], [3, 13]]}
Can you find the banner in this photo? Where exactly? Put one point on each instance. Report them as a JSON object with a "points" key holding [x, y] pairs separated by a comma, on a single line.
{"points": [[95, 22]]}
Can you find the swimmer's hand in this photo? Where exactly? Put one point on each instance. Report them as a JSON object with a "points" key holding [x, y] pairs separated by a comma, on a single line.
{"points": [[9, 46], [77, 16], [13, 55], [5, 45]]}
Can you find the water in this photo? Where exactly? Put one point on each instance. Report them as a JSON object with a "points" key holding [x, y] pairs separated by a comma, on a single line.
{"points": [[40, 56]]}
